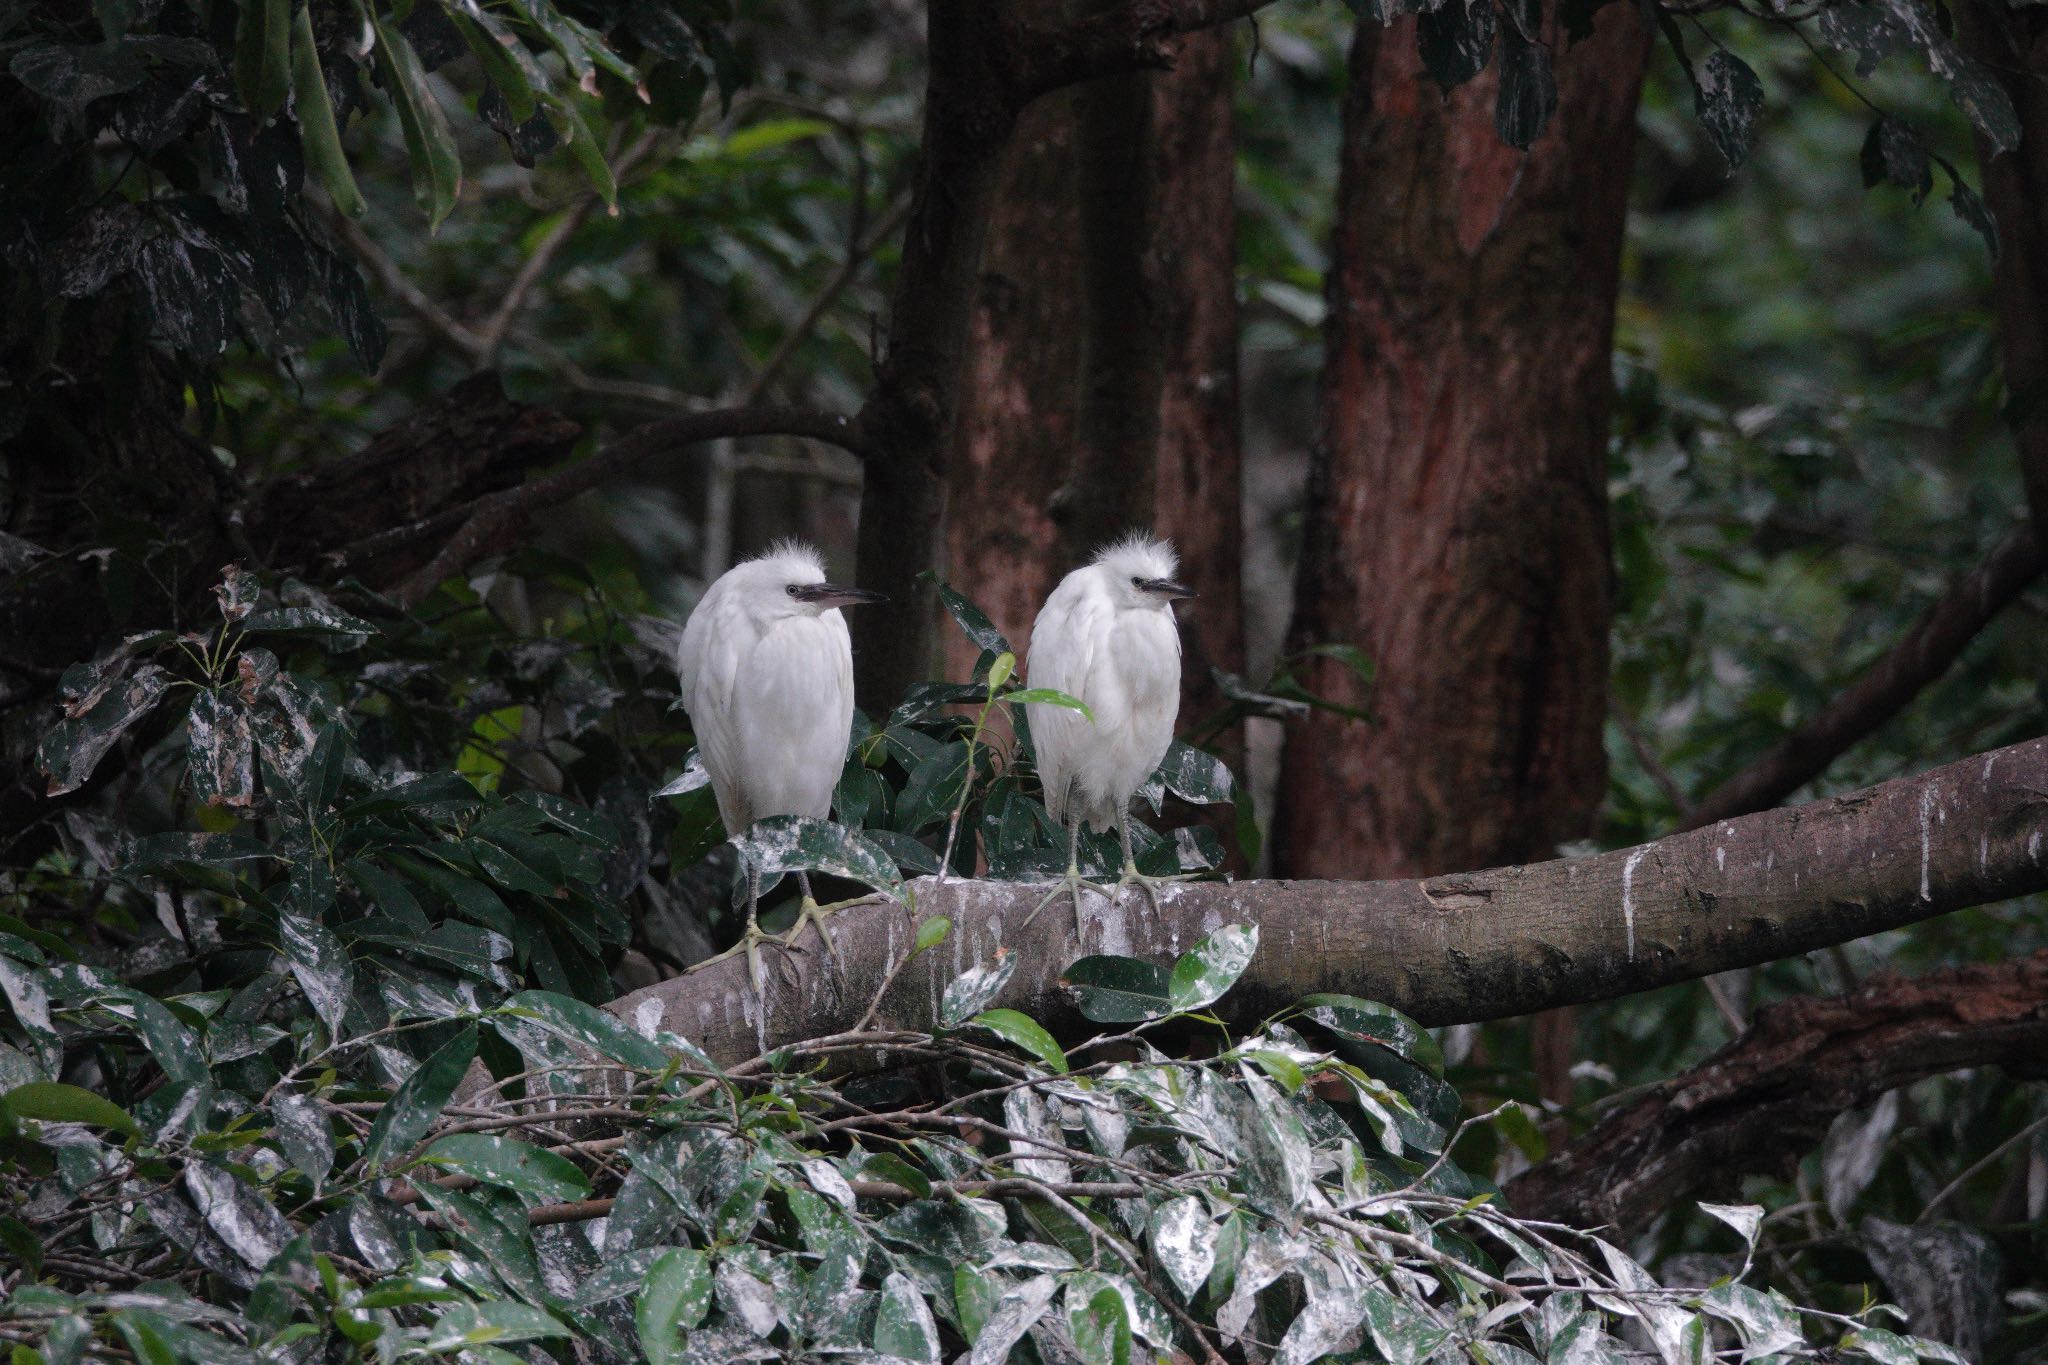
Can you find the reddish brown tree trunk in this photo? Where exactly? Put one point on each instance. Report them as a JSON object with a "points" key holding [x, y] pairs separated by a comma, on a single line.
{"points": [[1457, 520], [1102, 394], [1016, 429]]}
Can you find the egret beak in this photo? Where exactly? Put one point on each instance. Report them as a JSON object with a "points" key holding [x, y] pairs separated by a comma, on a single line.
{"points": [[1167, 588], [832, 595]]}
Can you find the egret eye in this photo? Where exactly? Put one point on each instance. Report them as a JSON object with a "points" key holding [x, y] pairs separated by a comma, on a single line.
{"points": [[791, 590], [1137, 582]]}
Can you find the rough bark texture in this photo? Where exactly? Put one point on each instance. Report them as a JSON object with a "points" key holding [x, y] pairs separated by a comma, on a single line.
{"points": [[1457, 518], [1475, 945], [1763, 1102], [1101, 391], [2013, 42], [1015, 431], [988, 63]]}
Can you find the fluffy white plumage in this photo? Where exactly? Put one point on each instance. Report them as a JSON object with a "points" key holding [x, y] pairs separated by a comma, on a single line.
{"points": [[766, 667], [1106, 635]]}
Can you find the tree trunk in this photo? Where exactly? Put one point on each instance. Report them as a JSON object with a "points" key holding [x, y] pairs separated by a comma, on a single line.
{"points": [[1457, 521], [1015, 431], [1102, 379]]}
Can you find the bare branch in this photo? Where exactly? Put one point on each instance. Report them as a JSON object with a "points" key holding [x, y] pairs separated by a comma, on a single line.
{"points": [[1923, 654], [488, 523], [1761, 1103], [1451, 949]]}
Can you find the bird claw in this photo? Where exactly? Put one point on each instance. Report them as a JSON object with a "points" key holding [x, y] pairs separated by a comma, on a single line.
{"points": [[1070, 884], [1150, 885]]}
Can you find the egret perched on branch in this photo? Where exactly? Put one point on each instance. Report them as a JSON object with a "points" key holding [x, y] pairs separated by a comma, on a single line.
{"points": [[767, 675], [1106, 637]]}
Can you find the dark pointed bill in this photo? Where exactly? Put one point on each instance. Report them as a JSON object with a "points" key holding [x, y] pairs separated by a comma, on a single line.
{"points": [[833, 595], [1166, 587]]}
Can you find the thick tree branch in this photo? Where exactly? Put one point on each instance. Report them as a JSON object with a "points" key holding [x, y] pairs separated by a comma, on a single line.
{"points": [[1763, 1102], [1476, 945], [1923, 654], [492, 521]]}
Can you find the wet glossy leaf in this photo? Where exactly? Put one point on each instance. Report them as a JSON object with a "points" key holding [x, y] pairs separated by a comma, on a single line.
{"points": [[506, 1162], [436, 166], [788, 843], [973, 622], [599, 1030], [1366, 1021], [406, 1116], [318, 131], [903, 1322], [1210, 968], [1025, 1032], [60, 1103], [1101, 1327], [1527, 97], [304, 1134], [674, 1299], [970, 993], [223, 750], [1456, 39], [1184, 1243], [1195, 776], [482, 1324], [1119, 990], [93, 724], [1727, 96]]}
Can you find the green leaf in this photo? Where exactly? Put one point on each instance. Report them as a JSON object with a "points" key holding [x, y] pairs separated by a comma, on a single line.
{"points": [[57, 1102], [931, 932], [263, 56], [1119, 990], [1048, 696], [1727, 97], [1365, 1021], [597, 1029], [1101, 1328], [673, 1299], [319, 136], [414, 1106], [1025, 1032], [582, 145], [1456, 39], [436, 166], [517, 1166], [973, 621], [482, 1324], [790, 843], [1527, 97], [896, 1171], [903, 1322], [1195, 776], [1205, 971], [999, 672], [969, 993]]}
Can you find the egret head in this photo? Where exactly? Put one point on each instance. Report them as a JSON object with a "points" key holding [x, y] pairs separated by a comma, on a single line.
{"points": [[790, 581], [1140, 572]]}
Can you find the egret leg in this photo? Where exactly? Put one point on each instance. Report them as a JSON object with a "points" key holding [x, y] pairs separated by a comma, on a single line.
{"points": [[750, 941], [1149, 885], [1071, 883], [810, 912]]}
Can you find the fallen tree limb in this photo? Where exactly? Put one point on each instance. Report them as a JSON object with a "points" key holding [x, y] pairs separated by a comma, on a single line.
{"points": [[1476, 945], [1922, 654], [1765, 1100]]}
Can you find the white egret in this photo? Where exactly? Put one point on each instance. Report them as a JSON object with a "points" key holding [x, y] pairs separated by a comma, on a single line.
{"points": [[767, 676], [1106, 636]]}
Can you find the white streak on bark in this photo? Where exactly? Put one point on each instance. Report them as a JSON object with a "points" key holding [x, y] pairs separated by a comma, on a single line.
{"points": [[1628, 898]]}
